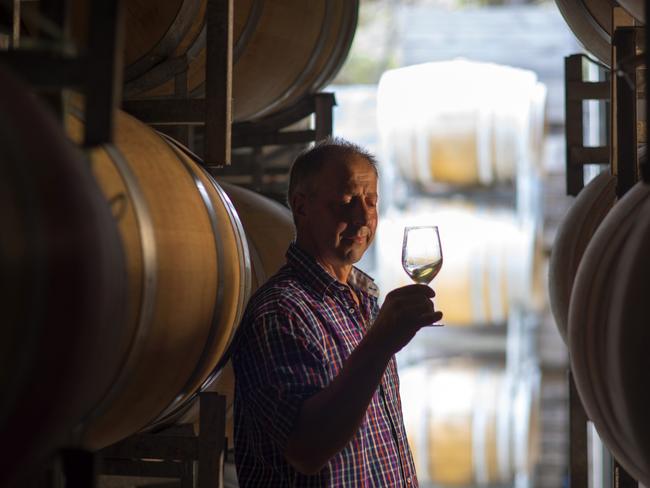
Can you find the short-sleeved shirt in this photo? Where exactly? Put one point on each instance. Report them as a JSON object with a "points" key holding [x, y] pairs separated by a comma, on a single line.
{"points": [[297, 331]]}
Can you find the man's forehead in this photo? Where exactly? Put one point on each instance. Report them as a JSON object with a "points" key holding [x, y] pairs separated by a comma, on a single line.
{"points": [[354, 169]]}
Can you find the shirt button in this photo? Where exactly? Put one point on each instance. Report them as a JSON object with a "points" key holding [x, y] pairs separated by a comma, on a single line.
{"points": [[408, 480], [351, 309]]}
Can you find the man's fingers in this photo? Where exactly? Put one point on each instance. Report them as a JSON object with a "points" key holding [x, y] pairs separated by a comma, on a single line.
{"points": [[415, 289], [431, 318]]}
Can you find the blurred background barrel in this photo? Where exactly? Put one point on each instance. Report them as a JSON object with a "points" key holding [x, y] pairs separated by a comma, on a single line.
{"points": [[636, 8], [61, 286], [188, 274], [282, 51], [491, 261], [469, 423], [591, 22], [438, 126]]}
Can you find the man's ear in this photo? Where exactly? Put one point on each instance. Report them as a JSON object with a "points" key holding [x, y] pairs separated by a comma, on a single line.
{"points": [[298, 203]]}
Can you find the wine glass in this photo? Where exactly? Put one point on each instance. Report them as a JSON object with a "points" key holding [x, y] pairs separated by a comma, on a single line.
{"points": [[422, 253]]}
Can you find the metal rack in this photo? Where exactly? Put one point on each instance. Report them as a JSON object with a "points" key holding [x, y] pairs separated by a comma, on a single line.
{"points": [[96, 71]]}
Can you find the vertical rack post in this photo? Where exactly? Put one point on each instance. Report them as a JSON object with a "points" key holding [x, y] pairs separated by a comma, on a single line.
{"points": [[621, 478], [624, 143], [55, 11], [573, 125], [218, 82], [578, 461], [103, 88], [79, 468], [15, 30], [625, 148], [212, 432], [323, 103], [645, 169]]}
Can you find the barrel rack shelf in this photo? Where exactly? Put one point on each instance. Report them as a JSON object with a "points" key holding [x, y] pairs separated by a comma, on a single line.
{"points": [[50, 70], [625, 133], [176, 452]]}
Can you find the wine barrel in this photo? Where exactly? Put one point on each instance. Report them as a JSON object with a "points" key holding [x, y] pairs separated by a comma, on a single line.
{"points": [[282, 51], [269, 231], [188, 277], [636, 8], [491, 261], [62, 280], [465, 422], [438, 125], [628, 345], [590, 332], [573, 235], [591, 22]]}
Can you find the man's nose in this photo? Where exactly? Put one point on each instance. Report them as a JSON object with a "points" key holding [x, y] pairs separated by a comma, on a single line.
{"points": [[362, 213]]}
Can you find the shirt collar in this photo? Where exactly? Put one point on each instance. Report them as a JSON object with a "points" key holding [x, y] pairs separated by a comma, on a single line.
{"points": [[320, 280]]}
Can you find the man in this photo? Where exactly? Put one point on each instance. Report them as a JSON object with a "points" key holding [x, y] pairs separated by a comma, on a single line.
{"points": [[316, 395]]}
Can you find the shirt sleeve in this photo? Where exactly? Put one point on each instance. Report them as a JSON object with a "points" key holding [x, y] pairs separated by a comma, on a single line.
{"points": [[277, 366]]}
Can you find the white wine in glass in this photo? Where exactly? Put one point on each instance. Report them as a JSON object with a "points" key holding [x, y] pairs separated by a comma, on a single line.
{"points": [[421, 253]]}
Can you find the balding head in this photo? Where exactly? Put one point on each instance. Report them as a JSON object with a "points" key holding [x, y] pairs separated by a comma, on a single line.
{"points": [[309, 164]]}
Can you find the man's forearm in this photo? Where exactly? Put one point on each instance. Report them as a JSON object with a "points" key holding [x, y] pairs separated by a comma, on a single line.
{"points": [[329, 419]]}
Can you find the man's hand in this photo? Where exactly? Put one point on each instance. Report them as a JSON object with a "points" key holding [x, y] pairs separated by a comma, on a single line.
{"points": [[403, 313]]}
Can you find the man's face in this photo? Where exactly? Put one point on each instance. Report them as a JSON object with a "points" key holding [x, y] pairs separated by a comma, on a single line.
{"points": [[339, 216]]}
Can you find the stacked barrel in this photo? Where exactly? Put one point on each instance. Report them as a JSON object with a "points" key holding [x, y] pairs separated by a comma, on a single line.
{"points": [[599, 258], [126, 268], [465, 139], [595, 282]]}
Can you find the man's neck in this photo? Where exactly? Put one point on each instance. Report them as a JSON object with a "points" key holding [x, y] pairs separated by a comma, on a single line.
{"points": [[340, 272]]}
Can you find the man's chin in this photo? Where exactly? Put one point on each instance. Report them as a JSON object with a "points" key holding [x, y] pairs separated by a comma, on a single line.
{"points": [[352, 254]]}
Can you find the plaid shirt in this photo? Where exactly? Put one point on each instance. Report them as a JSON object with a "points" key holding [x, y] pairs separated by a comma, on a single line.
{"points": [[297, 331]]}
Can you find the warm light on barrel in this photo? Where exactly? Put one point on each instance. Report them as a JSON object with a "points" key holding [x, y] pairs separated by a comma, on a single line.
{"points": [[469, 423], [282, 50], [438, 125], [492, 261], [269, 230], [188, 277]]}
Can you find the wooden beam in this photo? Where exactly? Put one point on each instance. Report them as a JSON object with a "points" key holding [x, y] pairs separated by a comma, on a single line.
{"points": [[578, 461], [580, 155], [218, 82], [274, 138], [154, 446], [624, 40], [168, 112], [212, 432], [103, 87], [574, 125], [324, 125], [587, 90], [46, 70]]}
